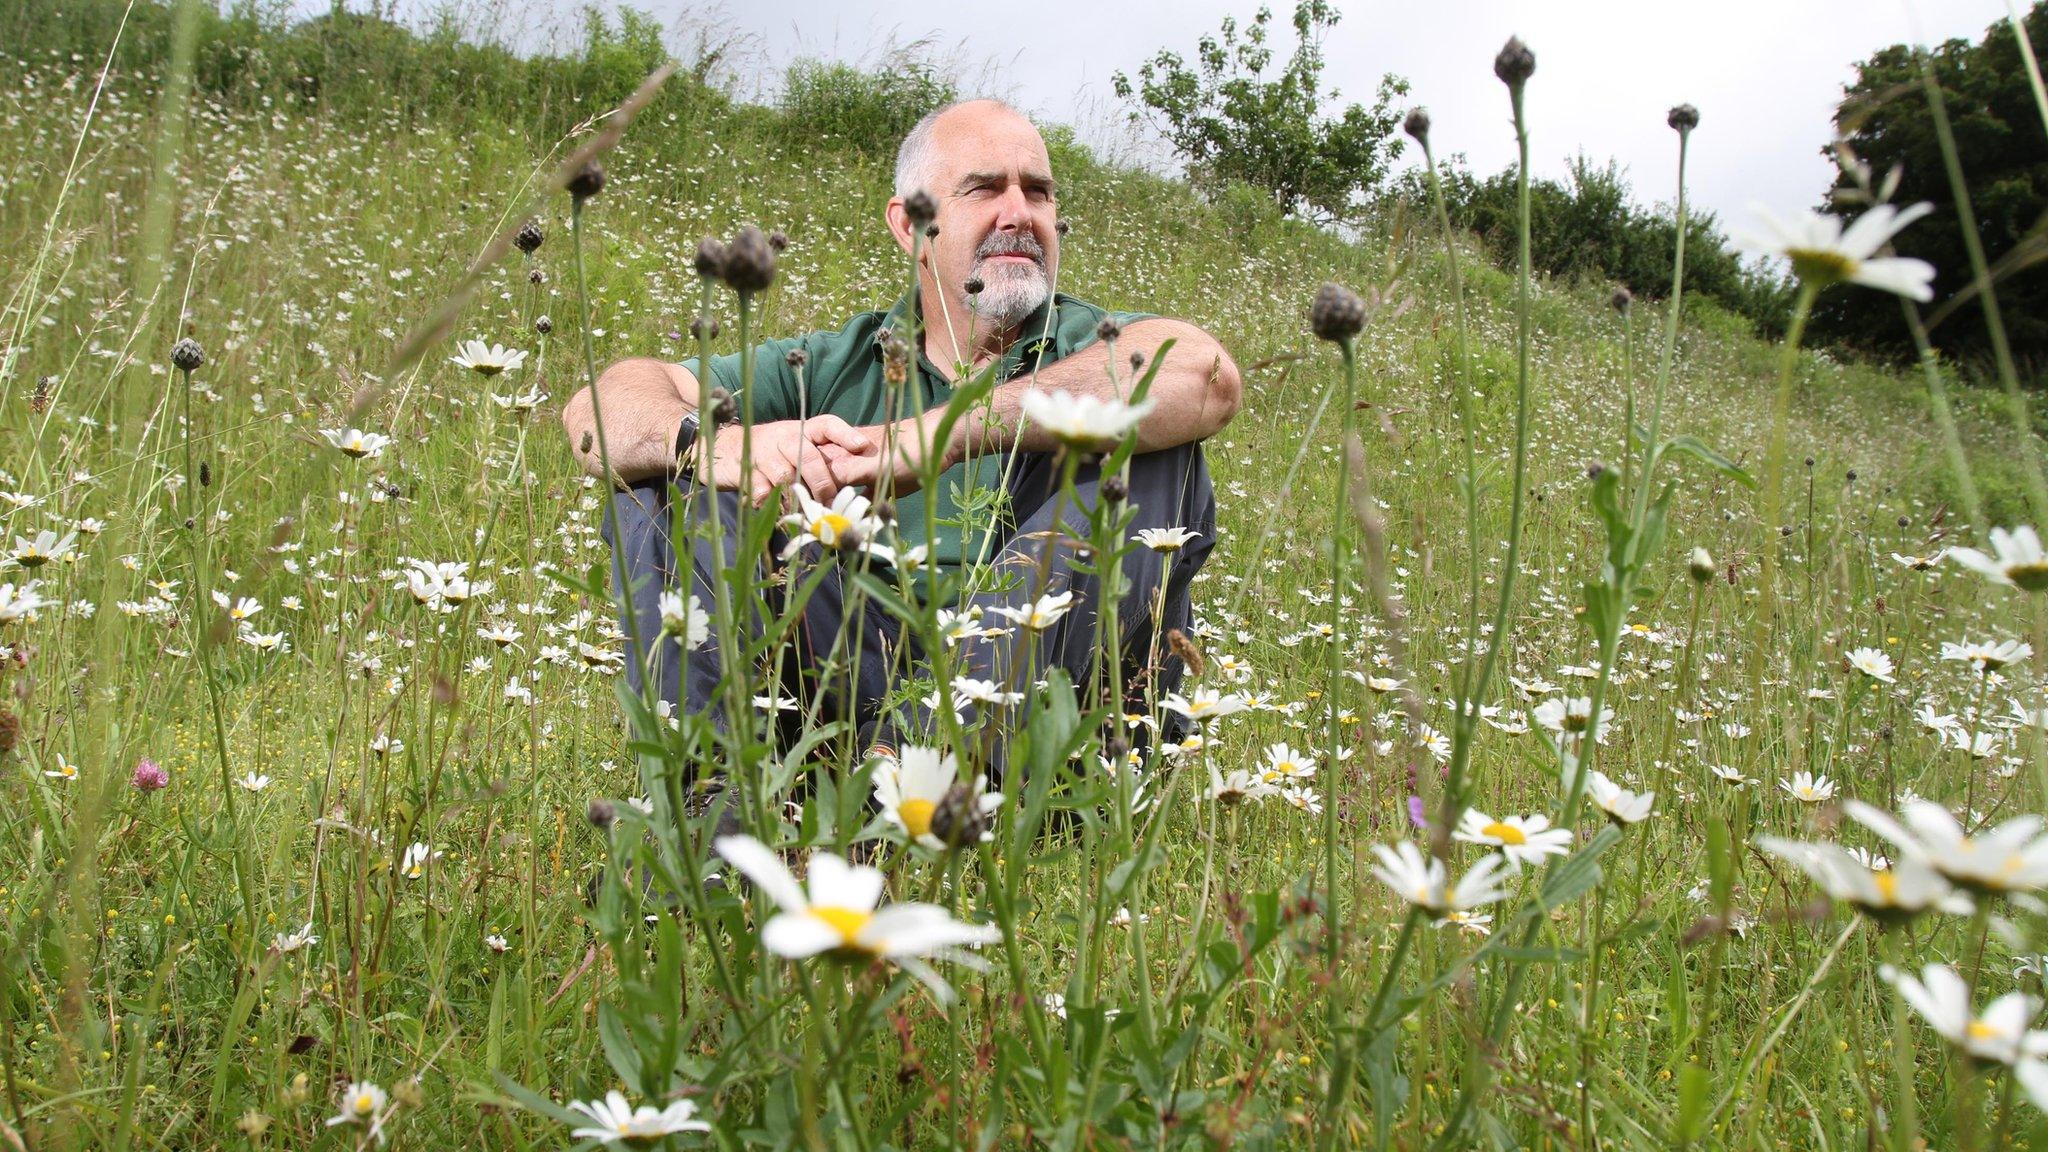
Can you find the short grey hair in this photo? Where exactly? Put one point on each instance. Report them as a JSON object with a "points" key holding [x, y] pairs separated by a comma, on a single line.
{"points": [[916, 155]]}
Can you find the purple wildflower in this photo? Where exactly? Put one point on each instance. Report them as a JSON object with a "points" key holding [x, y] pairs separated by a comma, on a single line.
{"points": [[150, 776]]}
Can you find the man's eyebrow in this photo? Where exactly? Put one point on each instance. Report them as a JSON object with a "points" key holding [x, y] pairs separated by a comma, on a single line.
{"points": [[1034, 180]]}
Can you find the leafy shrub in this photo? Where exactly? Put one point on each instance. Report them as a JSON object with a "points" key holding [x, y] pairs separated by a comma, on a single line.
{"points": [[825, 101], [1229, 123]]}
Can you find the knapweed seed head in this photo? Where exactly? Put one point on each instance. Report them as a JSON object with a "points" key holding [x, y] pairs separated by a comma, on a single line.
{"points": [[1109, 329], [958, 820], [543, 325], [973, 286], [1062, 226], [723, 410], [921, 209], [1622, 298], [529, 238], [601, 814], [536, 277], [796, 358], [1515, 64], [710, 258], [1701, 566], [1683, 119], [1417, 125], [1114, 489], [587, 182], [187, 355], [704, 328], [749, 262], [778, 241], [1337, 314]]}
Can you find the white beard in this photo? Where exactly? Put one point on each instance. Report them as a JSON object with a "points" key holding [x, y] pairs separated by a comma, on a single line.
{"points": [[1008, 296]]}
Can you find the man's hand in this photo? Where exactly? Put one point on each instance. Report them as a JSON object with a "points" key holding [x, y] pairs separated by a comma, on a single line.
{"points": [[906, 445], [823, 453]]}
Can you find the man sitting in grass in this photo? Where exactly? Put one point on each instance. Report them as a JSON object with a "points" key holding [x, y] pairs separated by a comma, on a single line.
{"points": [[821, 420]]}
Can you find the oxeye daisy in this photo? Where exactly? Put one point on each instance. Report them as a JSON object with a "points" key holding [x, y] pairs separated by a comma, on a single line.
{"points": [[2010, 858], [845, 523], [836, 911], [614, 1120], [1885, 891], [20, 603], [1571, 714], [1621, 805], [1808, 788], [363, 1103], [1166, 539], [45, 547], [1040, 614], [1284, 765], [1872, 662], [1423, 881], [2000, 1035], [355, 443], [1987, 655], [486, 359], [1519, 839], [1206, 704], [2016, 560], [1085, 421], [684, 618], [910, 788], [1822, 252]]}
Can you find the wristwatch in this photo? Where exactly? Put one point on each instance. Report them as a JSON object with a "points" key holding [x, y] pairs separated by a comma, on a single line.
{"points": [[686, 439]]}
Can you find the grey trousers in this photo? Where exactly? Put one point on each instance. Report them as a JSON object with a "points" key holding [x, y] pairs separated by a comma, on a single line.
{"points": [[1168, 488]]}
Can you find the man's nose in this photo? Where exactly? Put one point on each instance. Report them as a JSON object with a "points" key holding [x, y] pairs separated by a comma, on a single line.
{"points": [[1013, 213]]}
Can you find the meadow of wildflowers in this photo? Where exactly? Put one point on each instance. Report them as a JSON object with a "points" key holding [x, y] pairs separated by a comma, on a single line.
{"points": [[1603, 727]]}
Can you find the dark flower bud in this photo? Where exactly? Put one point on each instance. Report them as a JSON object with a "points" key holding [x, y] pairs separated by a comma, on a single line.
{"points": [[749, 262], [1337, 313], [1594, 470], [536, 277], [1515, 64], [1784, 530], [1905, 521], [601, 814], [187, 355], [779, 241], [1701, 565], [1622, 298], [973, 286], [710, 260], [1115, 490], [958, 820], [1852, 476], [1109, 329], [921, 209], [205, 474], [1809, 461], [1417, 125], [1683, 118], [1062, 226], [1137, 361], [723, 410], [797, 358], [543, 325], [587, 182], [529, 237], [704, 328], [884, 511], [931, 231]]}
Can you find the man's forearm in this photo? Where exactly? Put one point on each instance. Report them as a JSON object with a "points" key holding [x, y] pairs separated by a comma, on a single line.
{"points": [[1197, 390], [644, 402]]}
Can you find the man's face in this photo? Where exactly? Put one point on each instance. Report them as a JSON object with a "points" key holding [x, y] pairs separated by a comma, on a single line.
{"points": [[993, 183]]}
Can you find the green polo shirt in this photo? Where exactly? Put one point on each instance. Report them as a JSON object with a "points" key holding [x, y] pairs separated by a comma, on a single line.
{"points": [[842, 376]]}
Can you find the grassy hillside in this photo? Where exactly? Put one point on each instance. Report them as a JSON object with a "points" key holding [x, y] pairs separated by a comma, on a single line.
{"points": [[151, 1001]]}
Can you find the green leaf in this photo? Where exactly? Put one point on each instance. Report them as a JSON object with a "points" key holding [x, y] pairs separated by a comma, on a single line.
{"points": [[1695, 447]]}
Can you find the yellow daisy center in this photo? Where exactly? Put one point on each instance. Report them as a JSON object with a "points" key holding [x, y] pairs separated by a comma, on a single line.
{"points": [[1505, 833], [365, 1103], [830, 526], [1887, 886], [1979, 1030], [846, 921], [1820, 266], [2031, 577], [916, 816]]}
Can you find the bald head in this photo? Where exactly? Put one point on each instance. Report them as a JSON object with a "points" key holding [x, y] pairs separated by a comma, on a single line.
{"points": [[919, 159]]}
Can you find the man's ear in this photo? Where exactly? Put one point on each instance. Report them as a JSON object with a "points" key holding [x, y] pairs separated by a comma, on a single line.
{"points": [[898, 221]]}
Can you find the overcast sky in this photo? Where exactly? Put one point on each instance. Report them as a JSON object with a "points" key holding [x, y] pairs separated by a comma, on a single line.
{"points": [[1765, 74]]}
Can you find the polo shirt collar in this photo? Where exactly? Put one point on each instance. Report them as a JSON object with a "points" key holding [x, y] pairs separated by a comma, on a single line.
{"points": [[1038, 335]]}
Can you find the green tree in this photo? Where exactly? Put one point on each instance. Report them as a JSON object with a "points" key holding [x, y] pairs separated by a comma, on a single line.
{"points": [[2003, 144], [1231, 122]]}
